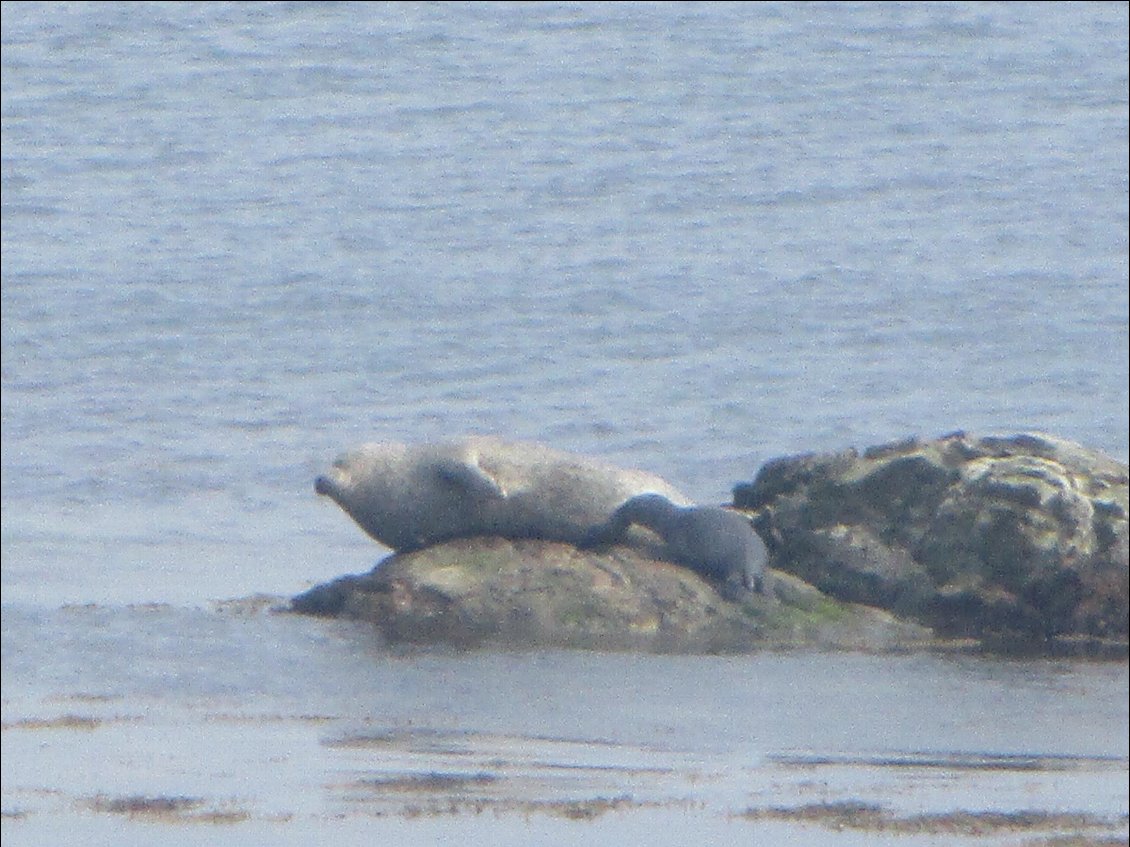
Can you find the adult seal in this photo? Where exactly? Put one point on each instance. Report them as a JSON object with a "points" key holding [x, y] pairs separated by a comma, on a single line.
{"points": [[712, 541], [408, 496]]}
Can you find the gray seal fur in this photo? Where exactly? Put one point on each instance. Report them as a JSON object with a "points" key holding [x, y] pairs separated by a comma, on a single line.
{"points": [[712, 541], [408, 496]]}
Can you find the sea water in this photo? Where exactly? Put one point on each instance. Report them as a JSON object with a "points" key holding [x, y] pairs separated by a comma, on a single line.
{"points": [[239, 238]]}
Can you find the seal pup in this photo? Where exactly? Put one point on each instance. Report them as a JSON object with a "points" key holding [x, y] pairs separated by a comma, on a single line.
{"points": [[712, 541], [408, 496]]}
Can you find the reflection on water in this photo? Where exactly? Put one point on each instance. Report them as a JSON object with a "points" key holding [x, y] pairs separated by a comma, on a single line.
{"points": [[168, 711]]}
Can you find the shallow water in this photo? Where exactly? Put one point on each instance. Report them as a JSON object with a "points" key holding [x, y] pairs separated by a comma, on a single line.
{"points": [[271, 726], [688, 237]]}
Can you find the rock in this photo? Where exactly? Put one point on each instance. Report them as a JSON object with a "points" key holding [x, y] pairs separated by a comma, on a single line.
{"points": [[1015, 538], [525, 593]]}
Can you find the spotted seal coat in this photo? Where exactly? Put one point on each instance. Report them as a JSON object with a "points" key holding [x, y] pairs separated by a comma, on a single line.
{"points": [[408, 496]]}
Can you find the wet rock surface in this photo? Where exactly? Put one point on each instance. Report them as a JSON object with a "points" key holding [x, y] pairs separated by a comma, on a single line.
{"points": [[519, 593], [1021, 539]]}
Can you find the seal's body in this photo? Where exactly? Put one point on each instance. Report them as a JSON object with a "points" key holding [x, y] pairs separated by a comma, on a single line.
{"points": [[712, 541], [410, 496]]}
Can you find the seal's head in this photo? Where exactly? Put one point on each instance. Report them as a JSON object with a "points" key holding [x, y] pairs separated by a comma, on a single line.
{"points": [[364, 466], [372, 484], [325, 485]]}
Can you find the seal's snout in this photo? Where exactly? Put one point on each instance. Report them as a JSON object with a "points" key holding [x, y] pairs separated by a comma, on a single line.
{"points": [[323, 485]]}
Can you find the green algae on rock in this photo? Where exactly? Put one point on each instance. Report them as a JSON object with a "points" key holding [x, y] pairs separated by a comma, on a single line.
{"points": [[523, 593]]}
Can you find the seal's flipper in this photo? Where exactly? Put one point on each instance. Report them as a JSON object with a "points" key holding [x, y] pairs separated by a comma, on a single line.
{"points": [[469, 478]]}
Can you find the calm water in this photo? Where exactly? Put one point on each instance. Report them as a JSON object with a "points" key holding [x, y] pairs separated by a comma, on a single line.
{"points": [[239, 238]]}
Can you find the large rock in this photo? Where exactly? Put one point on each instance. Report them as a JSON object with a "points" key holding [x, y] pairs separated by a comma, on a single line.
{"points": [[1021, 537], [524, 593]]}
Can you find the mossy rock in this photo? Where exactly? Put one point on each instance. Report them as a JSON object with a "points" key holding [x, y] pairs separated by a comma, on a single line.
{"points": [[524, 594]]}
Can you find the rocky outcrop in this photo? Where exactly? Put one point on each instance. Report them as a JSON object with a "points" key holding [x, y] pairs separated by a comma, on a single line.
{"points": [[512, 593], [1020, 538]]}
